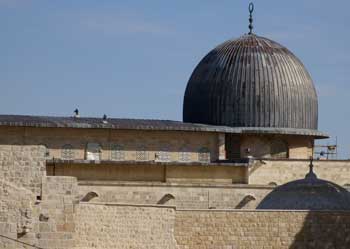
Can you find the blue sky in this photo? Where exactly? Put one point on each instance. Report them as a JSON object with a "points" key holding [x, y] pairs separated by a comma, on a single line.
{"points": [[133, 58]]}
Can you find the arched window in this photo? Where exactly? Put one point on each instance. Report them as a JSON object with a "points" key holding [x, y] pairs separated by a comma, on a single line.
{"points": [[141, 154], [279, 149], [204, 155], [117, 152], [67, 152], [184, 155], [93, 151], [163, 155]]}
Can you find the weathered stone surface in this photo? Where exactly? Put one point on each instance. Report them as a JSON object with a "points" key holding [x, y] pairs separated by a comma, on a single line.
{"points": [[43, 211], [23, 165], [152, 142], [17, 217], [282, 171], [115, 226], [186, 196], [57, 206], [210, 229]]}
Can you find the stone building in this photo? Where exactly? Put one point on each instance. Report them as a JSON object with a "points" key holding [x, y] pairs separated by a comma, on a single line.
{"points": [[231, 175]]}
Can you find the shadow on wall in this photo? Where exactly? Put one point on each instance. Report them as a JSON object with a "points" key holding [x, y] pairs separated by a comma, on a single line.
{"points": [[325, 226], [245, 201], [166, 198], [89, 196], [323, 230], [310, 193]]}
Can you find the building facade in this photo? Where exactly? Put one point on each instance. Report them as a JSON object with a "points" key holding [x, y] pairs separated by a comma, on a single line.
{"points": [[231, 175]]}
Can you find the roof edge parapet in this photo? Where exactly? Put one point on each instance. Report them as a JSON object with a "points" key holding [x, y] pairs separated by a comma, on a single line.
{"points": [[145, 124]]}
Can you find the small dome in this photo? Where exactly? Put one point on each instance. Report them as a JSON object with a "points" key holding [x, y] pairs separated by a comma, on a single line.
{"points": [[310, 193], [251, 82]]}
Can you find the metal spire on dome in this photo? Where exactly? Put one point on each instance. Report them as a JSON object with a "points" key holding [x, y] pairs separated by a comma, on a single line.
{"points": [[311, 174], [311, 166], [251, 9]]}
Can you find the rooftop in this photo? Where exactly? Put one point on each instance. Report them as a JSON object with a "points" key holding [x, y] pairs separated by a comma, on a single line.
{"points": [[142, 124]]}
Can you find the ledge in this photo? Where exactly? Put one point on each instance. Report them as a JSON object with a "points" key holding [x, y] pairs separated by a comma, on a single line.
{"points": [[173, 184], [281, 131], [266, 211], [115, 204], [301, 160], [60, 162]]}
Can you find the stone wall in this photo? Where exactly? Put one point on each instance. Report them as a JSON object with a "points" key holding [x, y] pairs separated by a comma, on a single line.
{"points": [[21, 171], [29, 223], [39, 211], [150, 172], [225, 229], [18, 225], [142, 227], [152, 144], [56, 218], [105, 172], [23, 166], [214, 173], [180, 195], [299, 147], [133, 227], [131, 141], [268, 171], [35, 210]]}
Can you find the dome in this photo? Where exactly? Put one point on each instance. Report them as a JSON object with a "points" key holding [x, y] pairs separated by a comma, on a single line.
{"points": [[251, 82], [310, 193]]}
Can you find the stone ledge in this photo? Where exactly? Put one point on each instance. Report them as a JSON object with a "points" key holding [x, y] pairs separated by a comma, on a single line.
{"points": [[265, 211], [116, 204], [300, 160], [172, 184], [59, 162]]}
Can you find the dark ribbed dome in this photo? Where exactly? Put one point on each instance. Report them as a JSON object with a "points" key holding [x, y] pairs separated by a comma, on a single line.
{"points": [[310, 193], [251, 82]]}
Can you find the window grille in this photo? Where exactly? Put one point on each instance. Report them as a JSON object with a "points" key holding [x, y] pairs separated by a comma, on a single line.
{"points": [[67, 152], [117, 152], [163, 155], [184, 155], [141, 154], [204, 155]]}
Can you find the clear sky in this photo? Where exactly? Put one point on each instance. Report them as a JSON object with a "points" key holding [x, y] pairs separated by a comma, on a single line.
{"points": [[133, 58]]}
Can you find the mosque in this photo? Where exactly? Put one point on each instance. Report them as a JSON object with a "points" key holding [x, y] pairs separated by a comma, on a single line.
{"points": [[237, 172]]}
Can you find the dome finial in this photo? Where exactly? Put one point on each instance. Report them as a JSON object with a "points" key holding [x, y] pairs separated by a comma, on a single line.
{"points": [[311, 166], [251, 9], [311, 174]]}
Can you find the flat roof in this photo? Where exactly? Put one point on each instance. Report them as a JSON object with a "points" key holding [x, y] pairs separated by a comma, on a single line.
{"points": [[143, 124]]}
